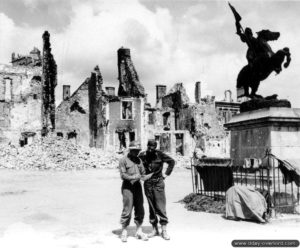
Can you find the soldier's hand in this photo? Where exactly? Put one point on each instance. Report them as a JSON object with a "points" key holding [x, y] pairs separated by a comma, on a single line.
{"points": [[137, 177], [164, 176], [147, 177]]}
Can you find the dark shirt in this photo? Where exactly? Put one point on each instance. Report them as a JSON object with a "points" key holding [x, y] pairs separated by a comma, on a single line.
{"points": [[153, 163], [130, 170]]}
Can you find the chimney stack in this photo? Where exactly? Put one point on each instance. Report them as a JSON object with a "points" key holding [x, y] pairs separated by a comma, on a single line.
{"points": [[110, 91], [161, 91], [228, 96], [66, 92], [198, 92]]}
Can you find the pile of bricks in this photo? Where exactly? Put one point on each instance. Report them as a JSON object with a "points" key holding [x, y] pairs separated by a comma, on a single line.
{"points": [[52, 153], [182, 161], [56, 153]]}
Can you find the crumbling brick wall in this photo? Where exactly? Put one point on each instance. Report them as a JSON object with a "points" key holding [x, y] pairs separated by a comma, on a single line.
{"points": [[49, 82]]}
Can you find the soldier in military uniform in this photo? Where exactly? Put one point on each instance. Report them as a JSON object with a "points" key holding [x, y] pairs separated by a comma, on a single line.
{"points": [[131, 171], [154, 187]]}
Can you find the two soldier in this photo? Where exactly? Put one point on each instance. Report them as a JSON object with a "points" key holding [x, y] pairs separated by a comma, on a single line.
{"points": [[148, 167]]}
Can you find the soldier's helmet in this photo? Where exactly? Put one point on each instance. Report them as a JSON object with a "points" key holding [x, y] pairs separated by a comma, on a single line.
{"points": [[152, 143], [134, 145]]}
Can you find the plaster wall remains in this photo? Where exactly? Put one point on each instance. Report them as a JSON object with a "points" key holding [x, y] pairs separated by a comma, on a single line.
{"points": [[126, 125], [72, 116], [20, 103], [206, 128], [108, 121], [27, 95], [175, 121]]}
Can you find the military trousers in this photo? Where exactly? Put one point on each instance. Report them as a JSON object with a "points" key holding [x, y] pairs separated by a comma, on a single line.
{"points": [[132, 198], [156, 197]]}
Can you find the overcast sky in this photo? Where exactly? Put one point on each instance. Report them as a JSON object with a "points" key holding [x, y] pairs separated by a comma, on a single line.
{"points": [[171, 41]]}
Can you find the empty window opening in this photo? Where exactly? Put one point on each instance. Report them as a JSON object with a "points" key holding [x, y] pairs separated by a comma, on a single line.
{"points": [[8, 89], [166, 118], [127, 110], [179, 143], [72, 135], [60, 134], [76, 106], [131, 136], [151, 118], [37, 78]]}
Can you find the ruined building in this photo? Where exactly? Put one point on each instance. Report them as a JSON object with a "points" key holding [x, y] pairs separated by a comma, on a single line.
{"points": [[33, 59], [126, 112], [180, 126], [25, 104], [99, 118]]}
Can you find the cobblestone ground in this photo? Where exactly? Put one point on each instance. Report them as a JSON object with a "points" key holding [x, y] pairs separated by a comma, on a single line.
{"points": [[81, 209]]}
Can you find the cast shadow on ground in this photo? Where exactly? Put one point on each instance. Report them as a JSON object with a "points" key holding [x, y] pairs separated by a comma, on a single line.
{"points": [[132, 229], [245, 220]]}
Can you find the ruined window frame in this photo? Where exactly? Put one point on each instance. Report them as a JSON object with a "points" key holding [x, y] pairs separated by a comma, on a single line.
{"points": [[8, 89], [151, 118], [121, 110]]}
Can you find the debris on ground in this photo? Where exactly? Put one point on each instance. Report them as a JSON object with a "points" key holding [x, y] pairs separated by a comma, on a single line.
{"points": [[201, 203], [182, 161], [57, 153]]}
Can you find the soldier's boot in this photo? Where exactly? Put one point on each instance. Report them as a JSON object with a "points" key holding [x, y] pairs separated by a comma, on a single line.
{"points": [[154, 232], [139, 233], [124, 235], [164, 233]]}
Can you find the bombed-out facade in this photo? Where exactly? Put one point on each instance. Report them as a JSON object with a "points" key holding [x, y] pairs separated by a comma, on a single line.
{"points": [[26, 110], [180, 126], [97, 116]]}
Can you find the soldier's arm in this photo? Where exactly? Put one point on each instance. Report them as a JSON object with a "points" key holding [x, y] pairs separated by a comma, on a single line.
{"points": [[142, 168], [170, 161], [123, 173]]}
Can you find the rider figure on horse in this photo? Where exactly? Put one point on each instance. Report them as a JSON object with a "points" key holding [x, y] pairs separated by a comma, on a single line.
{"points": [[258, 48], [262, 61]]}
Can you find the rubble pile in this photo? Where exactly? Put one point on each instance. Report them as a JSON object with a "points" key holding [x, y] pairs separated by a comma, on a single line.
{"points": [[201, 203], [182, 161], [55, 153]]}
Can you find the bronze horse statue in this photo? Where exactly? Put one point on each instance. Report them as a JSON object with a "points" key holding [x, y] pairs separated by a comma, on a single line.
{"points": [[264, 63]]}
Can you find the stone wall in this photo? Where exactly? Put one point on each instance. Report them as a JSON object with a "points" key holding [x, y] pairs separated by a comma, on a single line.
{"points": [[73, 114], [255, 132], [49, 82], [97, 101], [205, 126], [118, 124], [20, 102]]}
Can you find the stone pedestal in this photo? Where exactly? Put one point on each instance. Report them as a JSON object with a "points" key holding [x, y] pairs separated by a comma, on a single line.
{"points": [[272, 128]]}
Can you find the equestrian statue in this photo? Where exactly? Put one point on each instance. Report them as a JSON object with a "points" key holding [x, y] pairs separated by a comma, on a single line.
{"points": [[262, 61]]}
